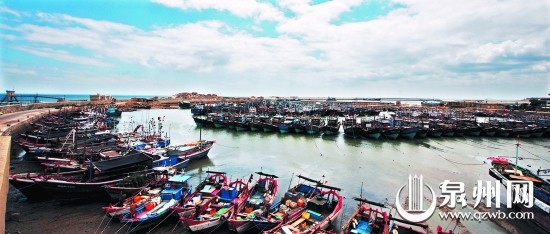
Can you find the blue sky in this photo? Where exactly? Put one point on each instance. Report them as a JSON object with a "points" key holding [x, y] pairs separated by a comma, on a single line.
{"points": [[349, 48]]}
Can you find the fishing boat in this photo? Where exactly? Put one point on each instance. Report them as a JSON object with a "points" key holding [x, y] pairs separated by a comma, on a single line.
{"points": [[198, 109], [321, 210], [367, 219], [273, 124], [287, 125], [126, 205], [257, 124], [184, 104], [291, 206], [331, 126], [371, 129], [314, 126], [407, 132], [24, 182], [212, 212], [254, 212], [221, 121], [244, 123], [505, 170], [200, 120], [191, 151], [90, 183], [352, 129], [370, 217], [203, 193], [113, 112], [300, 125], [158, 208], [421, 133], [138, 182]]}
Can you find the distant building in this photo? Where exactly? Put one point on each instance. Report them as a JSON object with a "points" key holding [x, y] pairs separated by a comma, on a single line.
{"points": [[99, 97], [485, 104], [540, 103], [134, 99]]}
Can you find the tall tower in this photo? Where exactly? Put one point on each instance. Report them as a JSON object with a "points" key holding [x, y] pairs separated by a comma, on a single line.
{"points": [[9, 98]]}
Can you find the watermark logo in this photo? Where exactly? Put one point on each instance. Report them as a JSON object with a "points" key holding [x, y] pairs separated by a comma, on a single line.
{"points": [[453, 193], [415, 211]]}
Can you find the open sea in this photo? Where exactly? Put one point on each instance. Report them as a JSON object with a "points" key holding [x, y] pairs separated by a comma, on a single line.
{"points": [[377, 169]]}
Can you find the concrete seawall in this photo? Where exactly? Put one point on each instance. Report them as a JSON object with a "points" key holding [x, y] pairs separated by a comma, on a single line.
{"points": [[16, 124], [5, 148]]}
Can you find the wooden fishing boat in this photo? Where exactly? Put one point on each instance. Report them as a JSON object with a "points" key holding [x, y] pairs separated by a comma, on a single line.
{"points": [[203, 193], [256, 206], [321, 211], [91, 182], [370, 217], [191, 151], [352, 129], [331, 126], [367, 219], [291, 206], [124, 207], [505, 170], [216, 210], [314, 126], [158, 208], [138, 182]]}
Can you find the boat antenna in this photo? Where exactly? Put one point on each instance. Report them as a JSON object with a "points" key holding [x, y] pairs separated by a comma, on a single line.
{"points": [[361, 192], [517, 152], [291, 177]]}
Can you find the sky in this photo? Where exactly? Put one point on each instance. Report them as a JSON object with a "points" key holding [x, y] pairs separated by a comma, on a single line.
{"points": [[469, 49]]}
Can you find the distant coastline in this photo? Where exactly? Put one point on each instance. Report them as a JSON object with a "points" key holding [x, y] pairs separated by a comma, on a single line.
{"points": [[75, 97]]}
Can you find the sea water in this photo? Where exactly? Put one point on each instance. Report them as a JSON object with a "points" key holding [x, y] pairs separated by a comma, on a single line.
{"points": [[375, 169]]}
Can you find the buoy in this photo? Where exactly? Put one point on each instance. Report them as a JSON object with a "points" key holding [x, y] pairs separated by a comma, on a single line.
{"points": [[137, 199], [149, 206], [293, 205]]}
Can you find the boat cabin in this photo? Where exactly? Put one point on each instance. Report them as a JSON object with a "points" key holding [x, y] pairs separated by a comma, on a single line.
{"points": [[175, 188]]}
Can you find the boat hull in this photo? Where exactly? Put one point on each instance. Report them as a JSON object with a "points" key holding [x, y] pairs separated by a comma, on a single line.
{"points": [[75, 190], [29, 188]]}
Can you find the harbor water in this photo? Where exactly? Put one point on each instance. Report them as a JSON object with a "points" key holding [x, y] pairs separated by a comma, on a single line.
{"points": [[377, 169]]}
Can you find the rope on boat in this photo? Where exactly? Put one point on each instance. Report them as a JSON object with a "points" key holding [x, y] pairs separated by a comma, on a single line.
{"points": [[318, 148], [534, 154], [26, 186], [487, 146], [106, 225], [98, 226], [219, 225], [234, 147], [162, 221], [174, 228], [477, 146], [465, 164], [120, 228], [443, 145]]}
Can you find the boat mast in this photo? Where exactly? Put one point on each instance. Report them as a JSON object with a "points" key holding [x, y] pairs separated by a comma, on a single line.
{"points": [[517, 152]]}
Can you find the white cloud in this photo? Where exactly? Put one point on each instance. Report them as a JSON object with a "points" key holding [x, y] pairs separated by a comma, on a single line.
{"points": [[11, 69], [543, 66], [421, 43], [7, 10], [240, 8], [489, 52], [8, 37], [63, 56]]}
